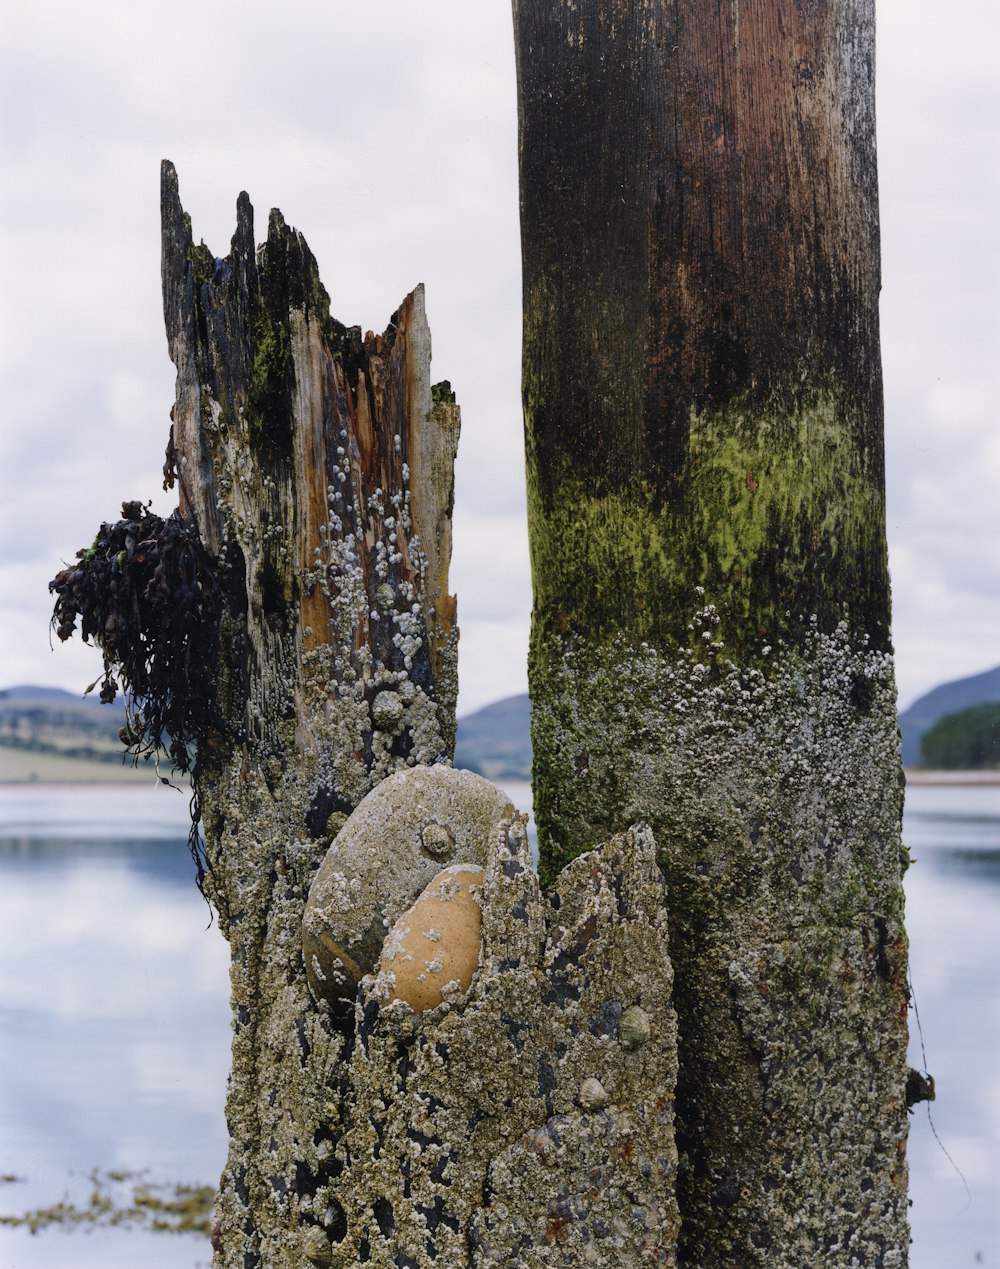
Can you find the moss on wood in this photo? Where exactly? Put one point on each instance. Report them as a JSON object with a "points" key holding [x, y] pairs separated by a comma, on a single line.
{"points": [[776, 799], [320, 470], [776, 504]]}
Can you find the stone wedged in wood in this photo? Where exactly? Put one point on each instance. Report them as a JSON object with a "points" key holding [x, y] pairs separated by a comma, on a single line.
{"points": [[433, 948], [397, 839], [527, 1132]]}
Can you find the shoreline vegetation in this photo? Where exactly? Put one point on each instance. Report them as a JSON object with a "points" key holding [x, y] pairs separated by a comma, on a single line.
{"points": [[48, 736], [18, 768], [918, 775], [23, 767]]}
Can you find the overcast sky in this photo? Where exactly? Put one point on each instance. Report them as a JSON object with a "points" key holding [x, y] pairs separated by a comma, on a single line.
{"points": [[387, 134]]}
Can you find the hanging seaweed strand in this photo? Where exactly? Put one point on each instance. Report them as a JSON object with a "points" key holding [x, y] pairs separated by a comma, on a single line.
{"points": [[145, 593]]}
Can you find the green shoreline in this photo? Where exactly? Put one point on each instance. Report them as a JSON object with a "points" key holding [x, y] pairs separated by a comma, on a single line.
{"points": [[44, 770], [964, 779]]}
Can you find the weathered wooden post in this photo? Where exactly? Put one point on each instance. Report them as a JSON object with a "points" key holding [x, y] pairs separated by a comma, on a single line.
{"points": [[710, 646]]}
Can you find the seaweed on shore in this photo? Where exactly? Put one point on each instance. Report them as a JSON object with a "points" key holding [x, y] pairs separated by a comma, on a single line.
{"points": [[126, 1199]]}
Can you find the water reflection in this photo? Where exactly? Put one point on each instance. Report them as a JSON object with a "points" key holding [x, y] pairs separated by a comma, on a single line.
{"points": [[953, 915], [114, 1017], [113, 1014], [981, 865]]}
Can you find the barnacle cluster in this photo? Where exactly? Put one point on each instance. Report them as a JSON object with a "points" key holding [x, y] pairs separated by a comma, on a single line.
{"points": [[145, 593]]}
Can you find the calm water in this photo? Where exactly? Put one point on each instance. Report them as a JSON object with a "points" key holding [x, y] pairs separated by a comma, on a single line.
{"points": [[114, 1027]]}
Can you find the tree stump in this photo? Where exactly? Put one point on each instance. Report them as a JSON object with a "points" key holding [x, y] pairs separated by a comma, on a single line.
{"points": [[529, 1120], [317, 466]]}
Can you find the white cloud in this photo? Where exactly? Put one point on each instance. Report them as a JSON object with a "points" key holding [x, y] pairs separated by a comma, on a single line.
{"points": [[937, 106], [941, 630], [492, 662], [388, 136]]}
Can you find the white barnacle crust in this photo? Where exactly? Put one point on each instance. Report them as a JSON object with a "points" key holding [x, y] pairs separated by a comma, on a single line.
{"points": [[295, 441], [773, 784]]}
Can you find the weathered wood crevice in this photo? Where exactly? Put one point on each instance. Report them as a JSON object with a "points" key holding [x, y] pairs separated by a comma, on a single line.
{"points": [[297, 445]]}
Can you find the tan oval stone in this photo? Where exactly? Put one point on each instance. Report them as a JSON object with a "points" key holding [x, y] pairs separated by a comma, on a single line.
{"points": [[391, 847], [436, 942]]}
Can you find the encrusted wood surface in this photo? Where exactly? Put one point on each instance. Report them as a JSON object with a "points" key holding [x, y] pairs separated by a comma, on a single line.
{"points": [[298, 446], [530, 1122]]}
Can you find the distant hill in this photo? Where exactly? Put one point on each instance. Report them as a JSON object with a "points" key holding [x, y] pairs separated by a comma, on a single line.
{"points": [[495, 741], [47, 734], [49, 715], [57, 726], [949, 698], [968, 740]]}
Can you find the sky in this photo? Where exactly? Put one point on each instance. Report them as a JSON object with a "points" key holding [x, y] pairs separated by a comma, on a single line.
{"points": [[388, 135]]}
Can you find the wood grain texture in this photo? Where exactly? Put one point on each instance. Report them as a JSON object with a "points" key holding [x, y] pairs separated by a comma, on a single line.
{"points": [[700, 231], [710, 644]]}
